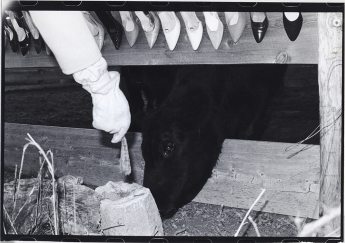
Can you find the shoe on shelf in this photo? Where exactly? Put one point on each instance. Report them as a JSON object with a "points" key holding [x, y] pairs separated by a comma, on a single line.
{"points": [[150, 24], [96, 29], [48, 51], [22, 30], [292, 24], [171, 28], [10, 33], [214, 28], [259, 27], [130, 27], [193, 27], [236, 22], [113, 27], [36, 37]]}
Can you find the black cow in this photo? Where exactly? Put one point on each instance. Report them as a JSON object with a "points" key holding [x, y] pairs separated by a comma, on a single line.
{"points": [[193, 109]]}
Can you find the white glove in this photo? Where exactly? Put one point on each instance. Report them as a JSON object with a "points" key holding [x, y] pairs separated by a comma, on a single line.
{"points": [[70, 39], [110, 107]]}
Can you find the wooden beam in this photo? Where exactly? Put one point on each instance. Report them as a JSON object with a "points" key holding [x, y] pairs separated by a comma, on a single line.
{"points": [[330, 86], [302, 51], [290, 178]]}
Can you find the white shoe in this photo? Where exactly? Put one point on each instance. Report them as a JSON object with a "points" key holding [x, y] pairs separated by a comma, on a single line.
{"points": [[171, 34], [96, 29], [214, 28], [194, 33], [131, 28], [151, 26]]}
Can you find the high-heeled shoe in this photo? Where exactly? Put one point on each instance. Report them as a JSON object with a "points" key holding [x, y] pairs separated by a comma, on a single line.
{"points": [[214, 28], [293, 27], [5, 39], [96, 29], [36, 37], [194, 32], [171, 28], [259, 28], [236, 22], [130, 27], [150, 24], [22, 30], [113, 27], [11, 34], [48, 51]]}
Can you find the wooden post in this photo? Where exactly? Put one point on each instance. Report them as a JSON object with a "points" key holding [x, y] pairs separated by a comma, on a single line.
{"points": [[330, 88]]}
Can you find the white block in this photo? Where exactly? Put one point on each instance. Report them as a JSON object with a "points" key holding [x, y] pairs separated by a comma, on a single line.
{"points": [[128, 209]]}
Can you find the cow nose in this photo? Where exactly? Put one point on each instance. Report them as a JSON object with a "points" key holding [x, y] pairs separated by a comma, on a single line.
{"points": [[165, 214], [147, 178], [148, 181]]}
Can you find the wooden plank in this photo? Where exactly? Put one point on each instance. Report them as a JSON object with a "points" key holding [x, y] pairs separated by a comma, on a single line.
{"points": [[23, 76], [244, 167], [330, 86], [303, 50], [80, 152], [40, 86]]}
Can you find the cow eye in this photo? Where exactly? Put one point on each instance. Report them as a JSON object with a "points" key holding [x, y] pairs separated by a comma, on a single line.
{"points": [[168, 149]]}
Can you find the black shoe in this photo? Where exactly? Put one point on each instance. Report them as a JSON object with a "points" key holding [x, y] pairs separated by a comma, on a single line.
{"points": [[38, 44], [38, 41], [113, 27], [25, 43], [259, 29], [10, 33], [292, 28]]}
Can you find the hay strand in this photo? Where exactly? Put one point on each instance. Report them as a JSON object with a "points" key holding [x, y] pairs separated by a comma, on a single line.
{"points": [[9, 219], [247, 214], [255, 226], [27, 200], [50, 165], [312, 227]]}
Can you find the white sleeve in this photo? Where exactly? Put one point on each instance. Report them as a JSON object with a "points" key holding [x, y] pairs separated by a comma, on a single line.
{"points": [[95, 78], [68, 36]]}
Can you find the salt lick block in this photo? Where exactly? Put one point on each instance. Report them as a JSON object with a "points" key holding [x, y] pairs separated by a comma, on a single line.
{"points": [[128, 209]]}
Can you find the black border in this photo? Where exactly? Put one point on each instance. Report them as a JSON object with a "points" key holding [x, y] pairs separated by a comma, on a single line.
{"points": [[172, 6], [178, 6]]}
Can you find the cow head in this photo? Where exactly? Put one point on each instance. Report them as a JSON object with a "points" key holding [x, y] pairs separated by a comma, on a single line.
{"points": [[181, 143]]}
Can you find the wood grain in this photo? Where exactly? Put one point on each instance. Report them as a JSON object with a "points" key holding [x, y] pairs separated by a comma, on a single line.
{"points": [[330, 86], [244, 167], [303, 50]]}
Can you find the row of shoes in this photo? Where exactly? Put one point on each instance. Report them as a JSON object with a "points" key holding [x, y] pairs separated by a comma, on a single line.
{"points": [[19, 28], [151, 23]]}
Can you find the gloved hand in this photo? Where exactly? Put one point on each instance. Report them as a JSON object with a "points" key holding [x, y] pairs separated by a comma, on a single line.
{"points": [[111, 111], [74, 47], [110, 107]]}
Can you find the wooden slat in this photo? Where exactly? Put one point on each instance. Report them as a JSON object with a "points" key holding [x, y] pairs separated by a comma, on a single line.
{"points": [[303, 50], [244, 167]]}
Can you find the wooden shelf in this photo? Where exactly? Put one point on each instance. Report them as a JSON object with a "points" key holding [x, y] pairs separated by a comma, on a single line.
{"points": [[302, 51]]}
